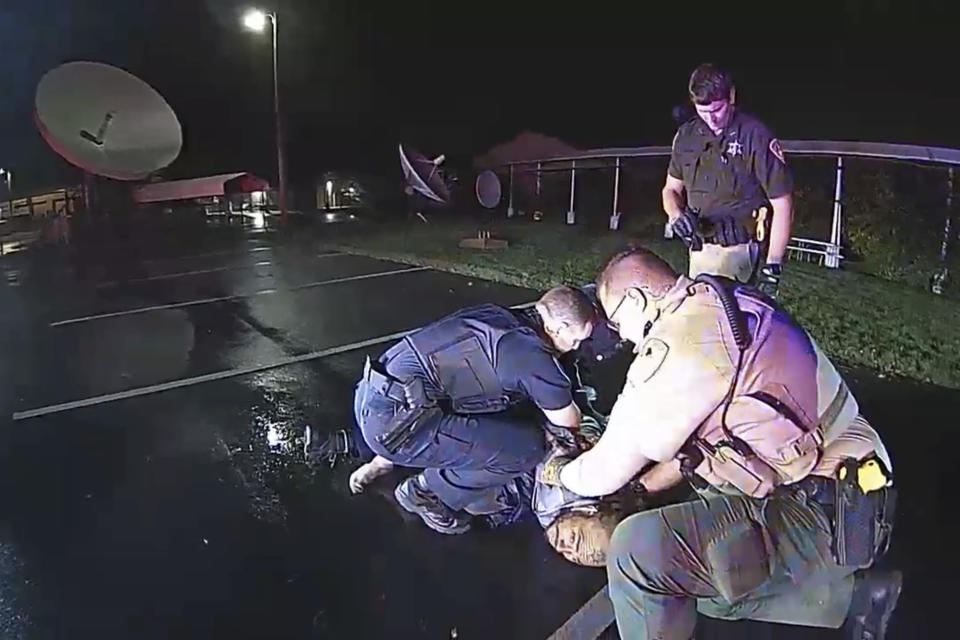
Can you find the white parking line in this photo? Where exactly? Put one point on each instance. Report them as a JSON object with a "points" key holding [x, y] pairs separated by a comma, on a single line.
{"points": [[182, 274], [263, 292], [592, 619], [210, 377], [195, 272], [207, 255]]}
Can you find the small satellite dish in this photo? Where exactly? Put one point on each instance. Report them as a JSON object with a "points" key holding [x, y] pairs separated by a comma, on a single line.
{"points": [[106, 121], [423, 175], [488, 189]]}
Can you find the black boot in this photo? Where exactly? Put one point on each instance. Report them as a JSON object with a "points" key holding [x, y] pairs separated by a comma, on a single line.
{"points": [[875, 596], [414, 496]]}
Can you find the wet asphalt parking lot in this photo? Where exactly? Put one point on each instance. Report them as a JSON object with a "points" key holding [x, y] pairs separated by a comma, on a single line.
{"points": [[152, 483]]}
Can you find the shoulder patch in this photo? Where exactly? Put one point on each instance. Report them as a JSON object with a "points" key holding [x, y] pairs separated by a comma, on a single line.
{"points": [[650, 357], [777, 150]]}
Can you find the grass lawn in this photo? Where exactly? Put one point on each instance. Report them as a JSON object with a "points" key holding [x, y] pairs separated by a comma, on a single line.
{"points": [[860, 320]]}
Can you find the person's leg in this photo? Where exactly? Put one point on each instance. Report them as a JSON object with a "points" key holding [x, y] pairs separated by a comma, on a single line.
{"points": [[482, 453], [741, 558], [467, 458], [661, 561], [807, 587]]}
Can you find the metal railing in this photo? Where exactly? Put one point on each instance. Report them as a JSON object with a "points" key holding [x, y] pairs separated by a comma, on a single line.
{"points": [[828, 252]]}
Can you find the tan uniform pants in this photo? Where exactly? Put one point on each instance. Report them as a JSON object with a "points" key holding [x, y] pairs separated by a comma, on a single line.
{"points": [[737, 262], [728, 557]]}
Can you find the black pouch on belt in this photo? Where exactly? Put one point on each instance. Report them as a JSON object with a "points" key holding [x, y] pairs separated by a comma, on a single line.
{"points": [[414, 408], [865, 506]]}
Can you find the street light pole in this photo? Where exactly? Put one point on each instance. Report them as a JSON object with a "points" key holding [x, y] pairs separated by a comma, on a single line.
{"points": [[255, 20], [281, 168], [8, 177]]}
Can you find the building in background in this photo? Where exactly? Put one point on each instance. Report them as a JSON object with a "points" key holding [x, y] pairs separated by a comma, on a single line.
{"points": [[337, 191], [224, 193], [63, 200]]}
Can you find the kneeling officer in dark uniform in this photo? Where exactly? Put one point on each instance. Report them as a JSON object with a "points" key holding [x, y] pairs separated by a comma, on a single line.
{"points": [[448, 398]]}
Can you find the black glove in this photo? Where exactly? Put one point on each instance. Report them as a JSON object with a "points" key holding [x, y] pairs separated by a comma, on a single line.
{"points": [[768, 281], [730, 232], [685, 227]]}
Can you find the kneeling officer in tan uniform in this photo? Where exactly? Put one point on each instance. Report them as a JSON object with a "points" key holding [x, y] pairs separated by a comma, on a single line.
{"points": [[796, 495]]}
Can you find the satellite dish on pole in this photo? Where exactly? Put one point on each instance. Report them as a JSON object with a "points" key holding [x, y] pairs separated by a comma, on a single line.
{"points": [[423, 175], [106, 121], [488, 189]]}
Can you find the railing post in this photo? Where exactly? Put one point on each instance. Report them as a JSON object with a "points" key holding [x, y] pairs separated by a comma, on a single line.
{"points": [[510, 198], [615, 215], [940, 277], [572, 214], [833, 251]]}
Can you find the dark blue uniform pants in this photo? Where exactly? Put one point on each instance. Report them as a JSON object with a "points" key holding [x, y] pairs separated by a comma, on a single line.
{"points": [[466, 458]]}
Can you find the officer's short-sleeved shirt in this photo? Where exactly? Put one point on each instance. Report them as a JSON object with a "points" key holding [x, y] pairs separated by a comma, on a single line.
{"points": [[733, 173], [525, 366]]}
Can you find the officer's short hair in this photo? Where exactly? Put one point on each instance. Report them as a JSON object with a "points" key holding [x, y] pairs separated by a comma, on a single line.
{"points": [[637, 268], [566, 304], [709, 83]]}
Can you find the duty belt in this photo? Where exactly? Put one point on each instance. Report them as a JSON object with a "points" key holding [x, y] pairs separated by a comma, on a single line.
{"points": [[754, 221]]}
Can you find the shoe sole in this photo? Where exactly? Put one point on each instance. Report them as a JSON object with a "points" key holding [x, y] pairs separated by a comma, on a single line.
{"points": [[405, 500]]}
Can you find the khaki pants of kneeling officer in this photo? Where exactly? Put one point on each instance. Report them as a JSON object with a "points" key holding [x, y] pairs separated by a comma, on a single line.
{"points": [[728, 557], [738, 262]]}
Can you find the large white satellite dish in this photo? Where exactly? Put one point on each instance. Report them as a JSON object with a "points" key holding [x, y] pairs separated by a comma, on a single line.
{"points": [[106, 121], [423, 175]]}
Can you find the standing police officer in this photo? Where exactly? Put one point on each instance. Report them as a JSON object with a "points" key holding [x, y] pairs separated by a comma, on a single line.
{"points": [[796, 500], [447, 398], [726, 173]]}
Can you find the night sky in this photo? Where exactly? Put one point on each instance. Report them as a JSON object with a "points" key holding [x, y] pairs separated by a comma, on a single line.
{"points": [[457, 77]]}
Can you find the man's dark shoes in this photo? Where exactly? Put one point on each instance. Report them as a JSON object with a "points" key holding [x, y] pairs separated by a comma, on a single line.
{"points": [[413, 495]]}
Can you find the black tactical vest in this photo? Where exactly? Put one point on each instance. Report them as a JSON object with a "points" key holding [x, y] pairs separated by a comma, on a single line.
{"points": [[459, 356]]}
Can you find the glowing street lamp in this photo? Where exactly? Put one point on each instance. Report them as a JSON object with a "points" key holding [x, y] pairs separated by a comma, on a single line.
{"points": [[256, 20]]}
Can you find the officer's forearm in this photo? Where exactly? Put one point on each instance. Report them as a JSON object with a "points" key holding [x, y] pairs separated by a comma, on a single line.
{"points": [[780, 228], [672, 202]]}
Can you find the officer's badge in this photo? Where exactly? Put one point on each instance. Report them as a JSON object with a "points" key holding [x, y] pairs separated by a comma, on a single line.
{"points": [[734, 149], [777, 150]]}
